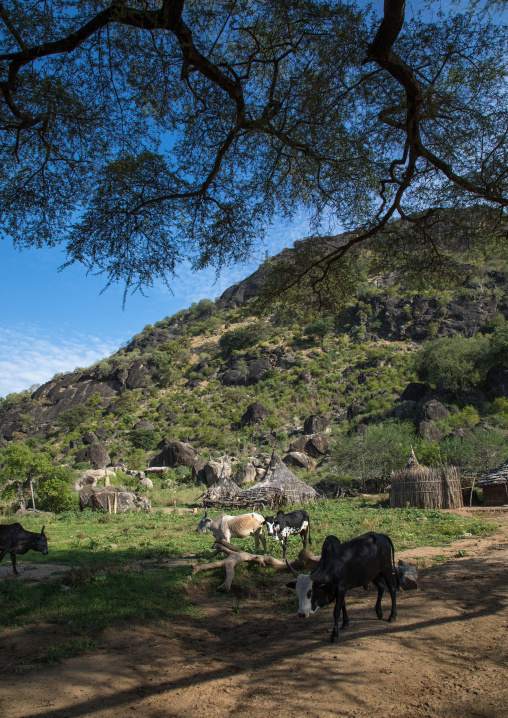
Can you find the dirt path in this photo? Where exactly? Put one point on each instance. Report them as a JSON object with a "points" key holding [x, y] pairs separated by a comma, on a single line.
{"points": [[446, 656]]}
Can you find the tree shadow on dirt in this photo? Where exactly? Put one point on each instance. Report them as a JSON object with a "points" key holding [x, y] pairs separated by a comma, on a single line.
{"points": [[288, 656]]}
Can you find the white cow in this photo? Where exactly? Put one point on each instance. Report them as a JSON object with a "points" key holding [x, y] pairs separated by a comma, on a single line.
{"points": [[227, 527]]}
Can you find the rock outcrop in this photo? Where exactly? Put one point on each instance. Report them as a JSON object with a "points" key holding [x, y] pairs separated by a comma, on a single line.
{"points": [[177, 453]]}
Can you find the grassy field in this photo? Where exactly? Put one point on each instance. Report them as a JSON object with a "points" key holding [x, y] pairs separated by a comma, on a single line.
{"points": [[119, 569]]}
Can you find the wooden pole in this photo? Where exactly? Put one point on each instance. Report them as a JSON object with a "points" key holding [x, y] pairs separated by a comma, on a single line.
{"points": [[471, 495], [32, 491], [115, 504], [109, 505]]}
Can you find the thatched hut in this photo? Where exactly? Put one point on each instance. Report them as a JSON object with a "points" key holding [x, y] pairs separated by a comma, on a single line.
{"points": [[279, 486], [424, 487], [224, 489], [495, 486]]}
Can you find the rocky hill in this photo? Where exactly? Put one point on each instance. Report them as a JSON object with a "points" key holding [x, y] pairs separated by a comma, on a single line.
{"points": [[224, 382]]}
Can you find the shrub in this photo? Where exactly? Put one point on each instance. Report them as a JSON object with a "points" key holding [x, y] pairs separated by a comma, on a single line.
{"points": [[95, 400], [457, 361], [54, 492], [461, 361], [320, 328], [245, 337], [374, 455], [143, 439], [74, 416]]}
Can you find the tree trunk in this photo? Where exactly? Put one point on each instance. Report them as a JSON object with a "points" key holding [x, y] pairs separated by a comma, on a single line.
{"points": [[234, 556]]}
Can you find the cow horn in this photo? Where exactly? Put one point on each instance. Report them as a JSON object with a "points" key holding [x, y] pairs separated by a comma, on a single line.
{"points": [[42, 531], [295, 573], [317, 572]]}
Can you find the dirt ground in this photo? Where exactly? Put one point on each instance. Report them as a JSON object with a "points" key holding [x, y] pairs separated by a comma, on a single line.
{"points": [[447, 655]]}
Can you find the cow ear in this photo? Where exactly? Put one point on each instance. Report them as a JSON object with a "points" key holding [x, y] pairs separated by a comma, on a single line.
{"points": [[291, 584], [42, 530]]}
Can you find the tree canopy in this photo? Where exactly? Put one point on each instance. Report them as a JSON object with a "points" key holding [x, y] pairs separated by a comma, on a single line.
{"points": [[140, 133]]}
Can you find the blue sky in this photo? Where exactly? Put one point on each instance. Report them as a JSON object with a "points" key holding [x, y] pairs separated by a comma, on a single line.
{"points": [[56, 321]]}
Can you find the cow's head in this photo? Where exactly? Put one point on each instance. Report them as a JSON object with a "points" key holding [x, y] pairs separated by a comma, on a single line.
{"points": [[204, 525], [42, 543], [270, 527], [322, 594], [303, 588]]}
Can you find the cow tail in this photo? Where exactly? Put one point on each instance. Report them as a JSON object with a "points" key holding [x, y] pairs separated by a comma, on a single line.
{"points": [[310, 540], [397, 577]]}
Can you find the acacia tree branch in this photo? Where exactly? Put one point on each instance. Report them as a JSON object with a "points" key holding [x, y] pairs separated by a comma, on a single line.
{"points": [[381, 52], [5, 17], [168, 18]]}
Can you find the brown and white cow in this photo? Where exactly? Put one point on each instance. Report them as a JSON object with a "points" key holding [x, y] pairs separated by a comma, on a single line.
{"points": [[227, 527]]}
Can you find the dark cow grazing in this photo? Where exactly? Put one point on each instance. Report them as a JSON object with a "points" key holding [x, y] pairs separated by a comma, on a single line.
{"points": [[283, 525], [367, 558], [14, 539]]}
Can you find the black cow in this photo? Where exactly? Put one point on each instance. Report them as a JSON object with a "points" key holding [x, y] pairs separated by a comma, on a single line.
{"points": [[14, 539], [342, 566], [284, 525]]}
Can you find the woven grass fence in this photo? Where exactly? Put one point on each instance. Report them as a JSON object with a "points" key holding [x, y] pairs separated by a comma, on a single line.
{"points": [[426, 488]]}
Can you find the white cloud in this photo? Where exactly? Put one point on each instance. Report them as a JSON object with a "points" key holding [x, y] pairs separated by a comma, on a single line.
{"points": [[29, 355]]}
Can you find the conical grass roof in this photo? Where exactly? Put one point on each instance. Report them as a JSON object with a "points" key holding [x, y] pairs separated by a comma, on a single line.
{"points": [[282, 483]]}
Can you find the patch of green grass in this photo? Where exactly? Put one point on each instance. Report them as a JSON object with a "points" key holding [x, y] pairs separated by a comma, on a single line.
{"points": [[89, 601], [439, 559], [67, 649]]}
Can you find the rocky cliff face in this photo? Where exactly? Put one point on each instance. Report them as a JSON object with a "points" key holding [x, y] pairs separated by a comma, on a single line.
{"points": [[417, 318], [58, 395]]}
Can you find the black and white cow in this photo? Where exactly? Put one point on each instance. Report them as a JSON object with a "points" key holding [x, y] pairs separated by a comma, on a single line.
{"points": [[283, 525], [15, 539], [343, 566]]}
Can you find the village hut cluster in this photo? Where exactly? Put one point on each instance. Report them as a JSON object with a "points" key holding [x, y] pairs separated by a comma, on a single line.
{"points": [[424, 487], [278, 487]]}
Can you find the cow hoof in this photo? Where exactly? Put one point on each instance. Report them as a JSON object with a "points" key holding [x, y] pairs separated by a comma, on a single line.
{"points": [[391, 619], [333, 639], [379, 615]]}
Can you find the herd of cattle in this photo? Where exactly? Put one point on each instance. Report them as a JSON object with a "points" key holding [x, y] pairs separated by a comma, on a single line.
{"points": [[342, 566]]}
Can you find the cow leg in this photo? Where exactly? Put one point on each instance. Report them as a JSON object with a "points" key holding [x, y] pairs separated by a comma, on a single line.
{"points": [[263, 539], [304, 537], [378, 583], [2, 553], [284, 540], [388, 577], [340, 606], [345, 617], [13, 559], [258, 534]]}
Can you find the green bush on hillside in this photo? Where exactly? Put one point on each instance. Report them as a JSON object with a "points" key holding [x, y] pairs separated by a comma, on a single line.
{"points": [[460, 361], [245, 337], [75, 416], [143, 439]]}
